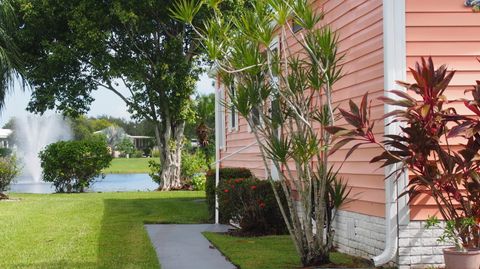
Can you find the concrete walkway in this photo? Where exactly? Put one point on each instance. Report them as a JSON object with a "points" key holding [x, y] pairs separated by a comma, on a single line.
{"points": [[182, 246]]}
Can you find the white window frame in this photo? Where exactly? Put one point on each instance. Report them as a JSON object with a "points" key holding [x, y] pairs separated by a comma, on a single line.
{"points": [[220, 116], [273, 45], [232, 127]]}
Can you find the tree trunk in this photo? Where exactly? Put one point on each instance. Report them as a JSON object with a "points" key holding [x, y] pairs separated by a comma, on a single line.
{"points": [[170, 143], [315, 258]]}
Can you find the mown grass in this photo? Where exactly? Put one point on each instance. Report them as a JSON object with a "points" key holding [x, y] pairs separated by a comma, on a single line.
{"points": [[271, 252], [128, 166], [91, 230]]}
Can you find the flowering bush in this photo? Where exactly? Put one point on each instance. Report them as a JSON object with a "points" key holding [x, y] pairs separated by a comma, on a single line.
{"points": [[225, 174], [446, 171], [251, 203]]}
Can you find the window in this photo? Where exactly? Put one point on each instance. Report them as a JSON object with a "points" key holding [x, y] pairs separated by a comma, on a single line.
{"points": [[296, 27], [220, 117], [256, 117], [233, 115], [274, 102]]}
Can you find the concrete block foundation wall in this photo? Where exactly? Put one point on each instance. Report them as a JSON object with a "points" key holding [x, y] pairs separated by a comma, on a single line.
{"points": [[364, 236], [359, 234], [418, 246]]}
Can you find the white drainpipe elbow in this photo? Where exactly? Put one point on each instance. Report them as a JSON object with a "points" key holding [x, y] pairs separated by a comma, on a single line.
{"points": [[391, 221]]}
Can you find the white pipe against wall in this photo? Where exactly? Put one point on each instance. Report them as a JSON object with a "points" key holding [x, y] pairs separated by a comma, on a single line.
{"points": [[218, 138], [394, 45]]}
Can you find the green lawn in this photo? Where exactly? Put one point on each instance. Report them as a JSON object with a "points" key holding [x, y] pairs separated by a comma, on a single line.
{"points": [[91, 230], [270, 252], [128, 166]]}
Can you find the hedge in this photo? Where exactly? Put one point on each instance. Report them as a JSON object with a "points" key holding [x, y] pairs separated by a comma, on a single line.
{"points": [[225, 174]]}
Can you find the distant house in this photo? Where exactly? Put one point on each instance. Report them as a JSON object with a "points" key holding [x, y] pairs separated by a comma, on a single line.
{"points": [[141, 142], [5, 138], [115, 134], [381, 38]]}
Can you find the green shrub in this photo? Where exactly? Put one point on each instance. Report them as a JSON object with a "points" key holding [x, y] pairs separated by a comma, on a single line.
{"points": [[251, 203], [5, 152], [155, 153], [125, 147], [8, 171], [137, 154], [155, 167], [198, 182], [192, 163], [225, 173], [73, 165]]}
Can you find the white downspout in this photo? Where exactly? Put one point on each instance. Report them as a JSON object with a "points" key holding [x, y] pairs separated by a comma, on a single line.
{"points": [[218, 141], [217, 145], [394, 45]]}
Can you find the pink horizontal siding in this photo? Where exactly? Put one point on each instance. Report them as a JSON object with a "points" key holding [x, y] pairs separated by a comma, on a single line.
{"points": [[359, 25], [449, 32]]}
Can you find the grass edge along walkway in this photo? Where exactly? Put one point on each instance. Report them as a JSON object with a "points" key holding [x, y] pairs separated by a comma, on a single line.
{"points": [[271, 252], [90, 230]]}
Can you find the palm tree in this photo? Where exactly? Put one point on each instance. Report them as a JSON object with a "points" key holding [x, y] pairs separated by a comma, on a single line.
{"points": [[10, 64], [205, 116]]}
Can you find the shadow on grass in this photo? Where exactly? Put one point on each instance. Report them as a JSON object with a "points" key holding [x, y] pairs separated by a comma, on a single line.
{"points": [[124, 242]]}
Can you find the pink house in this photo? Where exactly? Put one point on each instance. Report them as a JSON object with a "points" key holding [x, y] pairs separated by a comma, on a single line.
{"points": [[381, 38]]}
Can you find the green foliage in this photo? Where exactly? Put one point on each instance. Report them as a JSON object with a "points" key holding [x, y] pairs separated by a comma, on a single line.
{"points": [[225, 174], [204, 107], [73, 165], [453, 230], [126, 147], [5, 152], [251, 203], [10, 60], [155, 153], [192, 163], [285, 97], [137, 154], [83, 127], [155, 167], [114, 41], [8, 171], [76, 47], [198, 182], [131, 127]]}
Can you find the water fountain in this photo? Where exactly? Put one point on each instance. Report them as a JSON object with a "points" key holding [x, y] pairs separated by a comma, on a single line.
{"points": [[32, 135]]}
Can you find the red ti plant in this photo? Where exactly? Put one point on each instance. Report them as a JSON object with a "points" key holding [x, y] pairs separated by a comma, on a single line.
{"points": [[450, 174]]}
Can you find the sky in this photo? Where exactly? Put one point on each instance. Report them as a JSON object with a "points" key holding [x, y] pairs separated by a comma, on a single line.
{"points": [[106, 102]]}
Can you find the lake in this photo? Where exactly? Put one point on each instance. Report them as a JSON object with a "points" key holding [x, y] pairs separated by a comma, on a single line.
{"points": [[111, 183]]}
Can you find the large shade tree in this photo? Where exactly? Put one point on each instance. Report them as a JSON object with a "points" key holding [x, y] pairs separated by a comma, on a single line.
{"points": [[131, 48]]}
